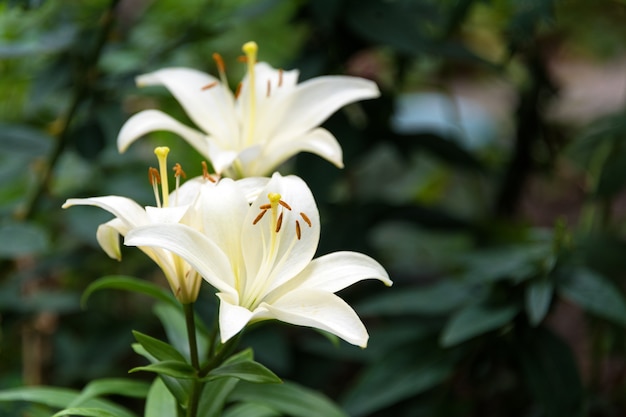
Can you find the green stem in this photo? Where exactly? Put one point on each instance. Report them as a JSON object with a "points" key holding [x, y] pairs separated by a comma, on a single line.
{"points": [[227, 349], [192, 407]]}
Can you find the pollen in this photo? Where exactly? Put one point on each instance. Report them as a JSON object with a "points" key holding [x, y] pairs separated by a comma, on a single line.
{"points": [[298, 231], [205, 173], [279, 222], [260, 216], [153, 176], [306, 219], [219, 62], [178, 171], [238, 90], [209, 86], [285, 205]]}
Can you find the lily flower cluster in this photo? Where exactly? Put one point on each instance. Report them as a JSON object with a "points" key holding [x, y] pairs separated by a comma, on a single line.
{"points": [[252, 239]]}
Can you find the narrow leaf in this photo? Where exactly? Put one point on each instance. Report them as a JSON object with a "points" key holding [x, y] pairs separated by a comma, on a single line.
{"points": [[160, 402], [120, 282], [175, 369], [214, 396], [116, 386], [251, 410], [475, 320], [157, 348], [538, 298], [250, 371], [85, 412], [596, 294]]}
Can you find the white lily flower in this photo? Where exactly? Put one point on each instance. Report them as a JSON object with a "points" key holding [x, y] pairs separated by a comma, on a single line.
{"points": [[176, 207], [269, 120], [260, 259]]}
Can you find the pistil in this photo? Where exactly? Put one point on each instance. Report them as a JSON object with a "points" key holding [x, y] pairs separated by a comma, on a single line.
{"points": [[250, 49], [161, 153]]}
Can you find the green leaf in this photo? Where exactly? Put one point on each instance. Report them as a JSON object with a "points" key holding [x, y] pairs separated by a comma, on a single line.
{"points": [[251, 410], [179, 388], [474, 320], [595, 294], [120, 282], [287, 398], [397, 376], [85, 412], [22, 239], [177, 369], [157, 348], [173, 319], [440, 298], [160, 402], [214, 396], [117, 386], [248, 370], [551, 374], [538, 299]]}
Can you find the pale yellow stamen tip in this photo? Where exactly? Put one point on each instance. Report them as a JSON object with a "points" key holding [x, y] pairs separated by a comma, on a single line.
{"points": [[161, 151], [250, 49], [274, 198]]}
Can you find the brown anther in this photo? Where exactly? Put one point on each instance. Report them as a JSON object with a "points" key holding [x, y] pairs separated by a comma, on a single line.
{"points": [[219, 62], [280, 77], [269, 88], [285, 205], [205, 173], [279, 222], [238, 90], [153, 176], [178, 171], [305, 218], [298, 231], [265, 206], [242, 58], [259, 217], [211, 85]]}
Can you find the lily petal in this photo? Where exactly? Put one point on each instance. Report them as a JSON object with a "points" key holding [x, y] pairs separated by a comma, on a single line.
{"points": [[123, 208], [200, 252], [108, 237], [148, 121], [321, 310], [277, 257], [334, 272], [233, 318], [314, 100], [211, 109]]}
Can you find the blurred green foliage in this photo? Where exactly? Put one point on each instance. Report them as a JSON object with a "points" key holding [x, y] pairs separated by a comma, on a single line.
{"points": [[498, 214]]}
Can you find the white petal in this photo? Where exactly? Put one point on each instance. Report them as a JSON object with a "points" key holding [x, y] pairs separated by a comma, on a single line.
{"points": [[321, 310], [131, 213], [232, 317], [318, 141], [314, 100], [272, 258], [336, 271], [210, 109], [109, 238], [153, 120], [252, 187], [188, 192], [200, 252]]}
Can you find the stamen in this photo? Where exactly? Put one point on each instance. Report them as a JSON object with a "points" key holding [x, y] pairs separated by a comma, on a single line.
{"points": [[221, 68], [155, 179], [279, 222], [242, 58], [280, 77], [250, 49], [265, 206], [259, 217], [306, 219], [298, 231], [178, 171], [269, 89], [238, 90], [205, 173], [208, 86], [285, 205], [161, 153]]}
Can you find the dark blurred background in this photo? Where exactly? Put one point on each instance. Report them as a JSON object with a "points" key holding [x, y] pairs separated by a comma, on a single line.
{"points": [[488, 179]]}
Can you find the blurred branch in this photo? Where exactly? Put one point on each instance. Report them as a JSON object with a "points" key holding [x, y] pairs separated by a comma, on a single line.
{"points": [[81, 93]]}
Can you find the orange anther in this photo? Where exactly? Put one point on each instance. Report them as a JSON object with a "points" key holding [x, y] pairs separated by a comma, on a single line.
{"points": [[219, 62], [279, 222], [285, 205], [153, 176], [238, 90], [298, 231], [259, 217], [211, 85], [305, 218], [242, 58], [178, 171], [265, 206]]}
